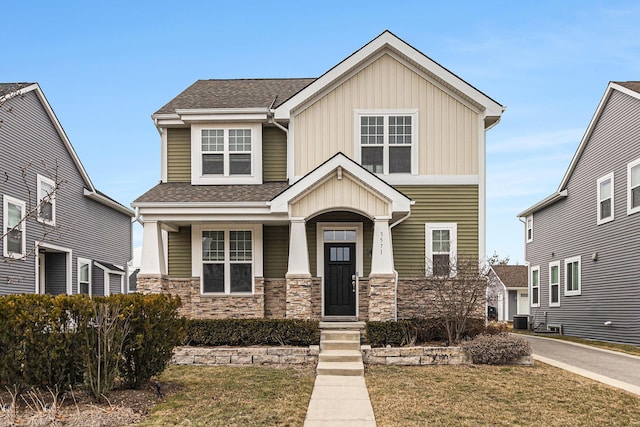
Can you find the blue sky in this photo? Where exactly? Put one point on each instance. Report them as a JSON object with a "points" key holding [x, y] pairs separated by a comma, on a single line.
{"points": [[105, 67]]}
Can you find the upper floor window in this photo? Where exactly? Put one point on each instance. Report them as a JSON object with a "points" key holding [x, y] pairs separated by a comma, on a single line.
{"points": [[441, 248], [14, 240], [633, 187], [535, 286], [226, 154], [387, 141], [554, 284], [46, 200], [572, 276], [605, 199], [84, 276], [530, 228]]}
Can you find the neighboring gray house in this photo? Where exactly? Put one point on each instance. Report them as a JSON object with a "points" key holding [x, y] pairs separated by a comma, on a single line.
{"points": [[582, 243], [511, 290], [59, 234]]}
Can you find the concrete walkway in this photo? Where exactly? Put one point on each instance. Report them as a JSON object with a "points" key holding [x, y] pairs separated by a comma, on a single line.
{"points": [[340, 401], [609, 367]]}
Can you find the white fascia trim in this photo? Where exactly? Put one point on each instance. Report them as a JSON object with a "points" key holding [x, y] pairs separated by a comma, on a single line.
{"points": [[107, 269], [108, 202], [238, 117], [400, 202], [388, 39], [163, 155], [186, 217], [200, 205], [406, 179]]}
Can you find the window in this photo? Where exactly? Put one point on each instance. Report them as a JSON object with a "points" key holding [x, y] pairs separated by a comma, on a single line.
{"points": [[605, 199], [84, 276], [14, 241], [386, 142], [572, 276], [633, 187], [554, 284], [227, 261], [224, 154], [530, 228], [440, 248], [535, 286], [46, 200]]}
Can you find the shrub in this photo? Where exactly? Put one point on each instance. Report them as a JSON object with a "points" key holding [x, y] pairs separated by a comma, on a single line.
{"points": [[246, 332], [415, 331], [497, 349]]}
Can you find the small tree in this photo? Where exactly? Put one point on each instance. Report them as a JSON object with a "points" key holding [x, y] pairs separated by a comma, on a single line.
{"points": [[457, 292]]}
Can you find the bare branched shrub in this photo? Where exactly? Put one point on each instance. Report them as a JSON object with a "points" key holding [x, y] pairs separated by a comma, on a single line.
{"points": [[8, 410], [44, 408], [497, 349]]}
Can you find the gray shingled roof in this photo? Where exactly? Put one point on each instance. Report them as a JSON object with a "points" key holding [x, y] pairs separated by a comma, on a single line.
{"points": [[8, 87], [184, 192], [237, 93], [513, 276], [633, 85]]}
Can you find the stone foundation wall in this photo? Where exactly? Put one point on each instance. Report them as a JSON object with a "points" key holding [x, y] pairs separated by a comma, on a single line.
{"points": [[363, 299], [316, 298], [381, 297], [275, 298], [407, 356], [299, 297], [245, 355], [416, 301]]}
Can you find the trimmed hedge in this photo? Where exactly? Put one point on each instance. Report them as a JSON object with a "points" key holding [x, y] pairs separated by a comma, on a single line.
{"points": [[246, 332], [413, 331]]}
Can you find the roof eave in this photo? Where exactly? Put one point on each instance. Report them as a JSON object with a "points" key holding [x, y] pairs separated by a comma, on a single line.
{"points": [[108, 202], [558, 195]]}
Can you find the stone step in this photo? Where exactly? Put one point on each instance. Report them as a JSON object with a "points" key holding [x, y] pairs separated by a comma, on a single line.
{"points": [[351, 369], [354, 326], [340, 356], [340, 335], [339, 345]]}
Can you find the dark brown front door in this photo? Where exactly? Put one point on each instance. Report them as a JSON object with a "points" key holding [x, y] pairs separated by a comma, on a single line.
{"points": [[339, 272]]}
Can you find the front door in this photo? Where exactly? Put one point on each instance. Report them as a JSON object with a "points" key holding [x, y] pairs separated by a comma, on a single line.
{"points": [[339, 279]]}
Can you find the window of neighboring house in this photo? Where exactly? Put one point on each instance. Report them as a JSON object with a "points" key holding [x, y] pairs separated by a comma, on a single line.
{"points": [[441, 251], [554, 284], [387, 142], [535, 286], [84, 276], [572, 285], [530, 228], [14, 240], [633, 187], [226, 152], [605, 199], [46, 200], [227, 261]]}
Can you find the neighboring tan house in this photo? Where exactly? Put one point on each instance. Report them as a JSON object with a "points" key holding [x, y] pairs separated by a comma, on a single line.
{"points": [[59, 234], [317, 198], [582, 243], [512, 296]]}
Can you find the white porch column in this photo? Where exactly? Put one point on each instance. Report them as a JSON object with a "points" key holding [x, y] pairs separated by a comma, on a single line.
{"points": [[298, 250], [152, 261], [382, 250]]}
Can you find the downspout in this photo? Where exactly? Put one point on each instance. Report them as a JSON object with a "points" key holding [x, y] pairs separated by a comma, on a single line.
{"points": [[271, 117], [395, 272]]}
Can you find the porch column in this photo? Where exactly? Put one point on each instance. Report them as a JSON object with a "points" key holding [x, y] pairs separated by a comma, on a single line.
{"points": [[382, 279], [298, 278], [152, 261]]}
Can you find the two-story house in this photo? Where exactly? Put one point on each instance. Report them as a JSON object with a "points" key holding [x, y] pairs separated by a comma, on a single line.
{"points": [[59, 233], [318, 198], [581, 242]]}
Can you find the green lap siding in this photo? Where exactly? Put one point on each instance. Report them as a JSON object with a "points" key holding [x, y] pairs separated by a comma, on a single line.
{"points": [[179, 262], [457, 204], [276, 251], [274, 154], [178, 155]]}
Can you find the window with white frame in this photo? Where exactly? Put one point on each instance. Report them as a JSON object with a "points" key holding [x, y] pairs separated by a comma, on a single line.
{"points": [[605, 199], [535, 286], [529, 228], [441, 250], [386, 141], [46, 200], [84, 276], [572, 280], [633, 187], [227, 261], [554, 284], [14, 239]]}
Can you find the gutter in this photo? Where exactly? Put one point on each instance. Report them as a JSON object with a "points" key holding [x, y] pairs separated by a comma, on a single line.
{"points": [[271, 117], [395, 272]]}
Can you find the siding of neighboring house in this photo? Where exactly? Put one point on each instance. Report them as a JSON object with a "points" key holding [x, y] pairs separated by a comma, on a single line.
{"points": [[448, 129], [115, 285], [89, 229], [457, 204], [274, 154], [56, 274], [179, 262], [97, 281], [568, 228], [178, 154], [275, 250]]}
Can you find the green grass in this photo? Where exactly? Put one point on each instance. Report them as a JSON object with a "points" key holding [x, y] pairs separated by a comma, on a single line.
{"points": [[624, 348], [495, 396], [233, 396]]}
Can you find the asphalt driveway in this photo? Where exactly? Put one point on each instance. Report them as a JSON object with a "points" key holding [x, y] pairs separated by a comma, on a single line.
{"points": [[610, 367]]}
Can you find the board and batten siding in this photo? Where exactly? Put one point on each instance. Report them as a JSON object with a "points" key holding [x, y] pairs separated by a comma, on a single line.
{"points": [[610, 286], [448, 129], [455, 203], [87, 228], [178, 154], [179, 248], [274, 154]]}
